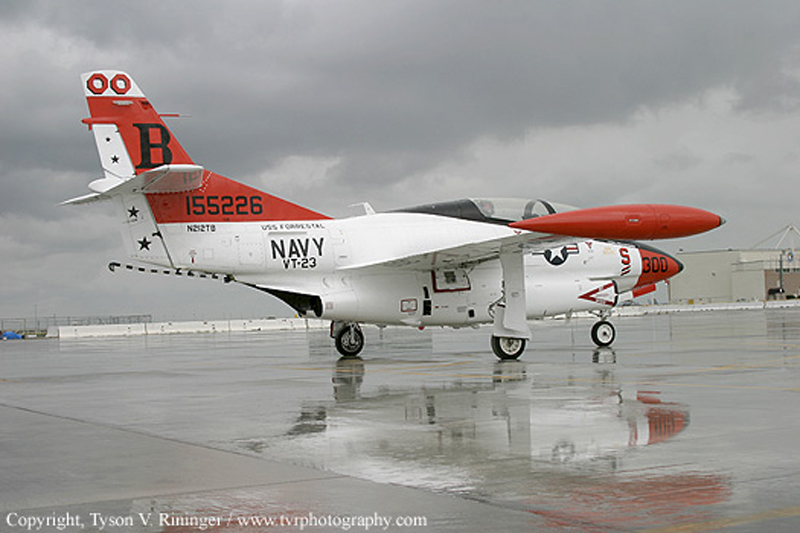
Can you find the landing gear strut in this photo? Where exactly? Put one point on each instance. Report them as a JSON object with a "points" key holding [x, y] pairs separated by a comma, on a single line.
{"points": [[349, 338], [603, 333], [508, 348]]}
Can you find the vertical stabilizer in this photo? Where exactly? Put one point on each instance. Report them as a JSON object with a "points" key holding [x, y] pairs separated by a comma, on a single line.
{"points": [[131, 139], [161, 194], [131, 136]]}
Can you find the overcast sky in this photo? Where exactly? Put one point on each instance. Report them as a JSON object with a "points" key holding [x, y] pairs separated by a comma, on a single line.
{"points": [[397, 103]]}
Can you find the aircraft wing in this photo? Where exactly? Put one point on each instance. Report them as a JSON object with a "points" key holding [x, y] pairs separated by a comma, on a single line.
{"points": [[623, 222], [470, 253]]}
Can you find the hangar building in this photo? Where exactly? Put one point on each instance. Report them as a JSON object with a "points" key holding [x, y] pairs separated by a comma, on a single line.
{"points": [[740, 275], [735, 276]]}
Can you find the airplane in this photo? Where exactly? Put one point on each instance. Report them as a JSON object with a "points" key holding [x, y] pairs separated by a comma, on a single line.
{"points": [[461, 263]]}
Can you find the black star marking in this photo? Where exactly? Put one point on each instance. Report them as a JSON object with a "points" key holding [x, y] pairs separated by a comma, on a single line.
{"points": [[144, 244], [133, 212], [115, 159]]}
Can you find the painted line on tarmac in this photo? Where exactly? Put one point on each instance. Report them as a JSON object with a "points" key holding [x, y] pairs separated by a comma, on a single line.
{"points": [[657, 384], [713, 525]]}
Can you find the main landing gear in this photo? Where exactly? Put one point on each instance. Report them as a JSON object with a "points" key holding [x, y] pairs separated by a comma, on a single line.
{"points": [[508, 348], [349, 338]]}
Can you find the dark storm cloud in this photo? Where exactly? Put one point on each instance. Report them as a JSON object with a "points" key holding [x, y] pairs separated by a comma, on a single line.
{"points": [[408, 78], [417, 81], [420, 81]]}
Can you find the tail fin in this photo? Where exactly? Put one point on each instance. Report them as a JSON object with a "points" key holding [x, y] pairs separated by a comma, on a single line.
{"points": [[133, 141], [131, 137], [155, 182]]}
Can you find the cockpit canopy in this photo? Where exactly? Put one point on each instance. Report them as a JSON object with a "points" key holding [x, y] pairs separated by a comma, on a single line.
{"points": [[492, 210]]}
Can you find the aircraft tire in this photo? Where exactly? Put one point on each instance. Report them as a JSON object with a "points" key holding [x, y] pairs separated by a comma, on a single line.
{"points": [[350, 340], [603, 333], [508, 348]]}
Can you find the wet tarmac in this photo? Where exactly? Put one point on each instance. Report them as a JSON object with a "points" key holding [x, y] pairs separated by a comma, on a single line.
{"points": [[691, 423]]}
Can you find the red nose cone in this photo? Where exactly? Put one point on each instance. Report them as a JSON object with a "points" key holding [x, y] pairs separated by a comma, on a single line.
{"points": [[657, 266], [629, 222]]}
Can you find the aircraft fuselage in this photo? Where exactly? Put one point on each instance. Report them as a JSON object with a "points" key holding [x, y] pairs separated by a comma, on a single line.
{"points": [[332, 260]]}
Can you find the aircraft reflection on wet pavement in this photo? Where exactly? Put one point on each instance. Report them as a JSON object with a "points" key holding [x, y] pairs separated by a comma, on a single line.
{"points": [[556, 448], [575, 425]]}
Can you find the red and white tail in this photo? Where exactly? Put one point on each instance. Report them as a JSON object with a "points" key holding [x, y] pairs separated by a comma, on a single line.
{"points": [[149, 173], [121, 113]]}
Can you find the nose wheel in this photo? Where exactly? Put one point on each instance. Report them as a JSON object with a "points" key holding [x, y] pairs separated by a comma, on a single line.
{"points": [[603, 333]]}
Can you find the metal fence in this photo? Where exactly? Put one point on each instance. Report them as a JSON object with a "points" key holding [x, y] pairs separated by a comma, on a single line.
{"points": [[39, 325]]}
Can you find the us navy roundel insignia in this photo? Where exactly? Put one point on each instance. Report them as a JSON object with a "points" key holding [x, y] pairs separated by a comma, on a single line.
{"points": [[560, 256]]}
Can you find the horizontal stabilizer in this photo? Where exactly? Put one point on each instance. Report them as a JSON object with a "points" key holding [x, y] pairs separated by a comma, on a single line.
{"points": [[86, 199], [627, 222], [171, 178], [161, 180]]}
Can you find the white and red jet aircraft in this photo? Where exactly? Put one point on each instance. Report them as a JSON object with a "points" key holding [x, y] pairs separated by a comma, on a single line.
{"points": [[462, 263]]}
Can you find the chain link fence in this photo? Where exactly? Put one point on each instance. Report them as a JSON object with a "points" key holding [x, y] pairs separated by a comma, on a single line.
{"points": [[38, 326]]}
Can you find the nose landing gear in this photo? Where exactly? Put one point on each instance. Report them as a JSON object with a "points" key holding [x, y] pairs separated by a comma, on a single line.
{"points": [[603, 333]]}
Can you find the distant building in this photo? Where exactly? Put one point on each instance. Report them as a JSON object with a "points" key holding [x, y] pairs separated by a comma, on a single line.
{"points": [[736, 276]]}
